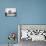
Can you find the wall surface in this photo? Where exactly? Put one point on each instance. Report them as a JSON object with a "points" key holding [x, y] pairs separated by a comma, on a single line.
{"points": [[28, 12]]}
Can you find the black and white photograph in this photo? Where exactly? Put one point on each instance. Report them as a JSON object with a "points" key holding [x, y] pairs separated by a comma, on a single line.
{"points": [[10, 11]]}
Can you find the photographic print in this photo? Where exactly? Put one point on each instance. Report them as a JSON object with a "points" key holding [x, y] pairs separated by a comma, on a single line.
{"points": [[10, 11]]}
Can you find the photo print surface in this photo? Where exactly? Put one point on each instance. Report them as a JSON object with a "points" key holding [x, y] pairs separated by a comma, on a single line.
{"points": [[10, 11]]}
